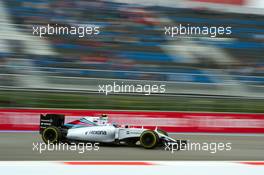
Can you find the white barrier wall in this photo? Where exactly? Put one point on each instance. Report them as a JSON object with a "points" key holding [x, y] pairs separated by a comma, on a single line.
{"points": [[255, 4], [132, 168], [247, 7]]}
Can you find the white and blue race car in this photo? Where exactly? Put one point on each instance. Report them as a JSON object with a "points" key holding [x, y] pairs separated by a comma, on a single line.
{"points": [[98, 129]]}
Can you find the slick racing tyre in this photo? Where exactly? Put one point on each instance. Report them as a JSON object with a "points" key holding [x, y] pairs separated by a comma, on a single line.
{"points": [[51, 135], [149, 139], [163, 132]]}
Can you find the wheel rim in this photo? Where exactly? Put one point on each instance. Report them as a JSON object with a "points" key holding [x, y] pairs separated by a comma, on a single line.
{"points": [[50, 135]]}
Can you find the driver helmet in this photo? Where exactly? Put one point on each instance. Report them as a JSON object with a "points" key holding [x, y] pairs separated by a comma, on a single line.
{"points": [[104, 115]]}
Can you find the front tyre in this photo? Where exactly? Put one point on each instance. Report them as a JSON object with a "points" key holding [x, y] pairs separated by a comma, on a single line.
{"points": [[51, 135], [149, 139]]}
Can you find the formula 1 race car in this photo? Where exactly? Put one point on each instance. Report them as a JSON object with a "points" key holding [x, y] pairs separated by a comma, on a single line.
{"points": [[98, 129]]}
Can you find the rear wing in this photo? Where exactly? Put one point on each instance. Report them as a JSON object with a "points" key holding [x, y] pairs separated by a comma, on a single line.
{"points": [[51, 120]]}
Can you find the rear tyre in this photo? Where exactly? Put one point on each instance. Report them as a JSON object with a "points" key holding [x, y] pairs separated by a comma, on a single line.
{"points": [[51, 135], [149, 139]]}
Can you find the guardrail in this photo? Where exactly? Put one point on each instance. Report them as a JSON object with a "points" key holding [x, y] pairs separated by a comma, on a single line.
{"points": [[92, 84], [52, 71]]}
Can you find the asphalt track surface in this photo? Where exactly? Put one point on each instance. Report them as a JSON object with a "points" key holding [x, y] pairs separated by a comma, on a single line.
{"points": [[19, 146]]}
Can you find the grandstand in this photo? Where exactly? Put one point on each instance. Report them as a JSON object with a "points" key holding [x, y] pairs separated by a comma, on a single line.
{"points": [[132, 47]]}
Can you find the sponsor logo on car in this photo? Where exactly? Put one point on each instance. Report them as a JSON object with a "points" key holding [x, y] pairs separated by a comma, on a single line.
{"points": [[96, 132]]}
